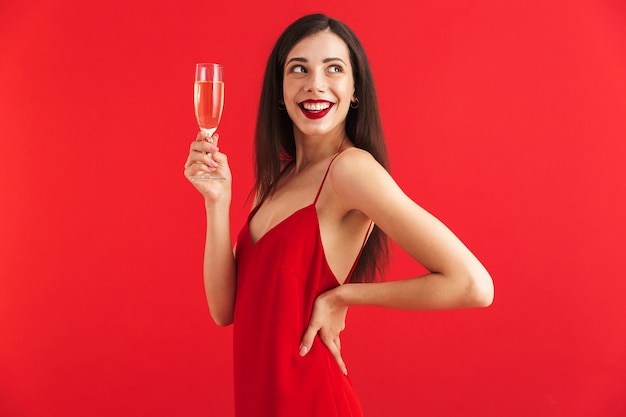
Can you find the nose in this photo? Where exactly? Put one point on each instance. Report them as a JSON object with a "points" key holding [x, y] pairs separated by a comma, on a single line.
{"points": [[316, 81]]}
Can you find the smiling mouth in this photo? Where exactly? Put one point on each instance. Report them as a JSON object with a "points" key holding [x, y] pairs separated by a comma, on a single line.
{"points": [[315, 109]]}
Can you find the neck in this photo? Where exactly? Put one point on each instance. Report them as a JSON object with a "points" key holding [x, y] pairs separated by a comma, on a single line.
{"points": [[312, 149]]}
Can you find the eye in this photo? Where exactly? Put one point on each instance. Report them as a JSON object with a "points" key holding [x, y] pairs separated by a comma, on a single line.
{"points": [[335, 68], [298, 69]]}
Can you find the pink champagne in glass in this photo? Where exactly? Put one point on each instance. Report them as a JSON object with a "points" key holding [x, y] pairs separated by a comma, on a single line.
{"points": [[208, 100]]}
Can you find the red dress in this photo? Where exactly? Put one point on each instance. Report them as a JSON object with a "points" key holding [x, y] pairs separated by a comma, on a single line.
{"points": [[278, 279]]}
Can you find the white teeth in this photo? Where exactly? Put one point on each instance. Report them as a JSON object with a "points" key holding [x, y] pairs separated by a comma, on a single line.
{"points": [[315, 106]]}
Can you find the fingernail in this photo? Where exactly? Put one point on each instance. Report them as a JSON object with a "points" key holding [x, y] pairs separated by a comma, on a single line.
{"points": [[303, 350], [345, 371]]}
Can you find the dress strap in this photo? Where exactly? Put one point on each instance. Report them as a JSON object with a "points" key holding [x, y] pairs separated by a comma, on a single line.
{"points": [[324, 179]]}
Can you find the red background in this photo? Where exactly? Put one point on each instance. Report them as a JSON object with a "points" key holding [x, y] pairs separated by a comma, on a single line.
{"points": [[505, 120]]}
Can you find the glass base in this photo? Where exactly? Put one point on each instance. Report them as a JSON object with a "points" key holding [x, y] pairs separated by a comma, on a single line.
{"points": [[206, 177]]}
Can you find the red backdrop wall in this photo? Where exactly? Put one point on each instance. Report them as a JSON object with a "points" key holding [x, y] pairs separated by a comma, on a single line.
{"points": [[505, 120]]}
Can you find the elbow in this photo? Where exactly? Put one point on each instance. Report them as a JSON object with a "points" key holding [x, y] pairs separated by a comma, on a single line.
{"points": [[480, 291], [221, 308], [222, 320], [484, 296]]}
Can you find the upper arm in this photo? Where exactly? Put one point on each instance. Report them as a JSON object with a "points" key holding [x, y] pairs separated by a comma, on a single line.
{"points": [[361, 183]]}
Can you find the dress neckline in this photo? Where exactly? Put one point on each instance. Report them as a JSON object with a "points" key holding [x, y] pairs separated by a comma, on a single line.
{"points": [[313, 204], [277, 225]]}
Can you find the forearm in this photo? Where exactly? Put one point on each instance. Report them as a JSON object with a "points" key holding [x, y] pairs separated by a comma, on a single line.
{"points": [[430, 292], [219, 265]]}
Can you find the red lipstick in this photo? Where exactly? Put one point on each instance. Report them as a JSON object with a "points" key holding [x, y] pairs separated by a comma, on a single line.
{"points": [[315, 109]]}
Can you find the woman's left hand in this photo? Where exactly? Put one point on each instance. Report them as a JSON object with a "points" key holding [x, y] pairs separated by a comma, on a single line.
{"points": [[328, 319]]}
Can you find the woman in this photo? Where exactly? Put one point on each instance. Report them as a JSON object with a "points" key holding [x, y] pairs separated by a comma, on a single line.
{"points": [[314, 240]]}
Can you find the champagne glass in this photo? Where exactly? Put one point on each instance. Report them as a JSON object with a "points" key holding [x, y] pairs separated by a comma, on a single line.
{"points": [[208, 100]]}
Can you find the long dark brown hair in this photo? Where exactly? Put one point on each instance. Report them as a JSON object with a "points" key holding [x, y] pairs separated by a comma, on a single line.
{"points": [[274, 139]]}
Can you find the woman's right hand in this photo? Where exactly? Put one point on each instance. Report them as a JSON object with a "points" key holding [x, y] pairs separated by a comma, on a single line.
{"points": [[205, 158]]}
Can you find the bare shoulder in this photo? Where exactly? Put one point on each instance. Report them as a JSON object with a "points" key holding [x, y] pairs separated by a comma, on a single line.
{"points": [[353, 159], [353, 166], [357, 178]]}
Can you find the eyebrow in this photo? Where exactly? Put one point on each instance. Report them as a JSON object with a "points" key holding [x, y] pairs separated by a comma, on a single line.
{"points": [[326, 60]]}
